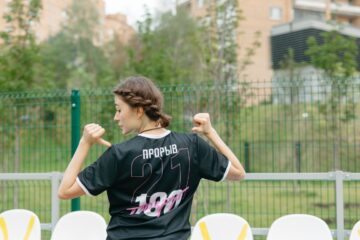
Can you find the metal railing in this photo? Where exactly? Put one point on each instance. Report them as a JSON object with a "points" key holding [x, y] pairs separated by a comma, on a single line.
{"points": [[54, 177], [337, 177]]}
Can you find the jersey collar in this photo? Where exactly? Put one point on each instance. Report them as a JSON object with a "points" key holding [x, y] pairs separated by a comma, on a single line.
{"points": [[155, 136]]}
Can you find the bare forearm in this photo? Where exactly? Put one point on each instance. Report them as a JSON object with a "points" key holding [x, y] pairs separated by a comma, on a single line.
{"points": [[219, 144], [74, 166], [202, 124]]}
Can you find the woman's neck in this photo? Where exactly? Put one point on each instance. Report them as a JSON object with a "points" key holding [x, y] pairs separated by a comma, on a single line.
{"points": [[152, 128]]}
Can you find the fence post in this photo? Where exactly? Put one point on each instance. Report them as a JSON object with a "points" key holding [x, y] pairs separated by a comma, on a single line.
{"points": [[339, 204], [247, 156], [75, 134], [55, 203], [298, 156]]}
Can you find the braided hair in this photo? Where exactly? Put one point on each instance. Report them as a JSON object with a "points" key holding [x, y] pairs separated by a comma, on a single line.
{"points": [[141, 92]]}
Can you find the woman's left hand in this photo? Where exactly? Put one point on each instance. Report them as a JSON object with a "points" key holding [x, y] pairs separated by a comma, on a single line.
{"points": [[93, 134]]}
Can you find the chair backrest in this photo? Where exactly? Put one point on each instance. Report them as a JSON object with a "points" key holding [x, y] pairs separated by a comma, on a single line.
{"points": [[80, 225], [355, 232], [19, 224], [221, 226], [299, 227]]}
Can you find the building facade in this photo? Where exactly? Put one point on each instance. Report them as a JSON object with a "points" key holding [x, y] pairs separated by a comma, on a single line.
{"points": [[116, 25], [53, 16], [264, 15]]}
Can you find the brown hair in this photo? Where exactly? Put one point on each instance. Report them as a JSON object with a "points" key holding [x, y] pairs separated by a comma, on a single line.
{"points": [[141, 92]]}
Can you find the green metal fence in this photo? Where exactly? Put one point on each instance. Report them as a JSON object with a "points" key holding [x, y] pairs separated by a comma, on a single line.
{"points": [[268, 134]]}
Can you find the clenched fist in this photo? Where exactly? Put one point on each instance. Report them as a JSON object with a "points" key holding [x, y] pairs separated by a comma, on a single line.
{"points": [[202, 123], [93, 134]]}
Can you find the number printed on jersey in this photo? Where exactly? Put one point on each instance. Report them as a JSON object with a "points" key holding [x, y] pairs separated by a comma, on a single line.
{"points": [[158, 203], [147, 197]]}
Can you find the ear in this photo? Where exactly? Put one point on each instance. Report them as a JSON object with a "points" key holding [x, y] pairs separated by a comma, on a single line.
{"points": [[139, 112]]}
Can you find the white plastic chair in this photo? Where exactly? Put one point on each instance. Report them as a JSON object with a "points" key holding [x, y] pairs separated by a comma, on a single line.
{"points": [[355, 232], [19, 224], [222, 226], [299, 227], [80, 225]]}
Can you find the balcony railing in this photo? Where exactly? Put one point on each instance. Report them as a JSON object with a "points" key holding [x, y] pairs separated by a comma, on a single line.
{"points": [[335, 8]]}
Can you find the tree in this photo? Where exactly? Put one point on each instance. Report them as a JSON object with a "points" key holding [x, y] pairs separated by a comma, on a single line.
{"points": [[226, 57], [290, 81], [71, 57], [167, 49], [221, 26], [116, 52], [70, 65], [336, 57], [179, 49], [18, 61], [83, 20], [19, 52]]}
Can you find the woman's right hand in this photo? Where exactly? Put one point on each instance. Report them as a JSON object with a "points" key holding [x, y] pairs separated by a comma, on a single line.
{"points": [[202, 123], [93, 134]]}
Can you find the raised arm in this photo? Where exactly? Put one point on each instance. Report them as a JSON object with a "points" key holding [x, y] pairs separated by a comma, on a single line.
{"points": [[202, 125], [69, 188]]}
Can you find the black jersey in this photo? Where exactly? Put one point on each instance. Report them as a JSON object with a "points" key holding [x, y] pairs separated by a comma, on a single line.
{"points": [[151, 181]]}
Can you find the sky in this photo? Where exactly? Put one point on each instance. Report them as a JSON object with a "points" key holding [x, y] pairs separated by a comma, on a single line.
{"points": [[134, 9]]}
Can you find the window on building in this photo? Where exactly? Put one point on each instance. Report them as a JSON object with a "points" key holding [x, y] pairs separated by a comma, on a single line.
{"points": [[7, 9], [64, 14], [308, 15], [111, 33], [8, 29], [200, 3], [275, 13]]}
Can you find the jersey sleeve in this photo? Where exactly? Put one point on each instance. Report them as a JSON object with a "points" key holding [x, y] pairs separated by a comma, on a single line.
{"points": [[212, 165], [101, 174]]}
